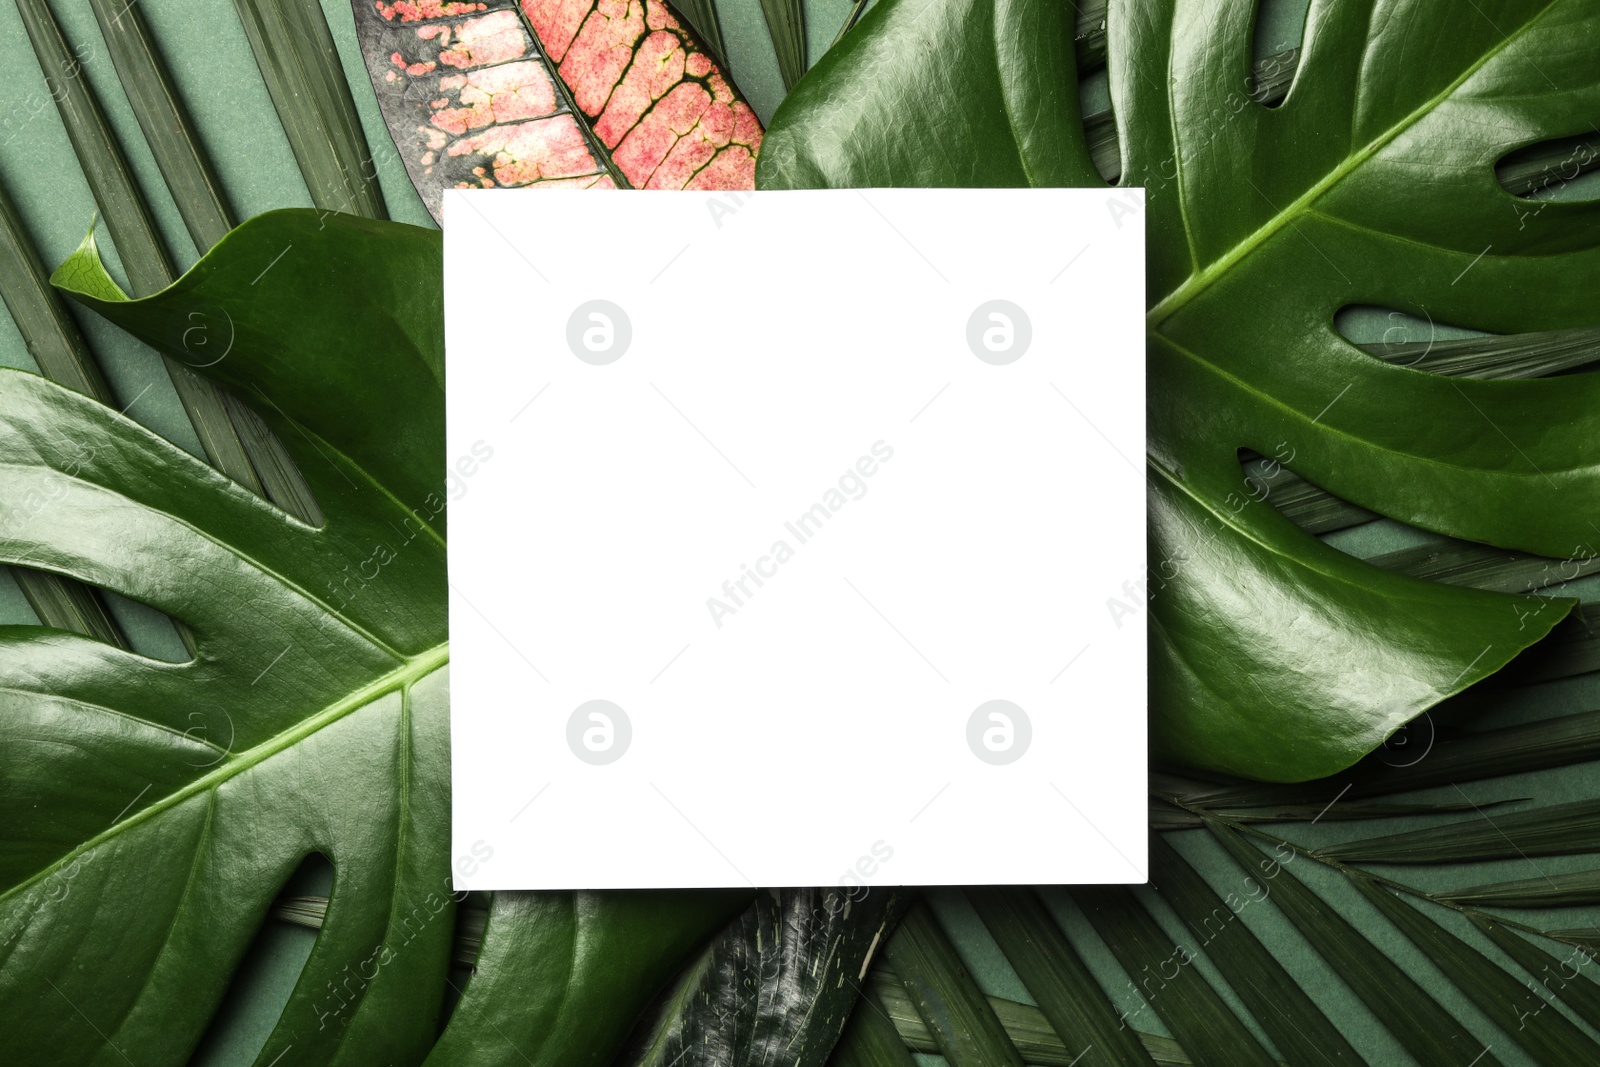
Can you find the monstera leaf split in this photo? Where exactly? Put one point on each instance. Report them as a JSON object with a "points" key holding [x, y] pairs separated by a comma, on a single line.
{"points": [[1373, 183]]}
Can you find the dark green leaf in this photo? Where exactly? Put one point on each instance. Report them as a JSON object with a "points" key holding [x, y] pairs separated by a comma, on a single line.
{"points": [[47, 328], [1089, 33], [775, 988], [1546, 1035], [1570, 976], [1199, 1019], [162, 116], [133, 229], [1025, 1024], [1297, 1027], [1531, 746], [1570, 890], [1484, 567], [1556, 830], [1524, 355], [274, 268], [871, 1040], [1573, 648], [64, 604], [1309, 507], [164, 849], [1423, 1028], [1273, 655], [300, 65], [959, 1019], [1057, 978], [786, 24], [1548, 165], [59, 351]]}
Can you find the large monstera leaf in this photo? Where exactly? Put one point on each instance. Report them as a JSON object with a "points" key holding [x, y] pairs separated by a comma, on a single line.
{"points": [[1373, 183], [151, 811], [588, 93]]}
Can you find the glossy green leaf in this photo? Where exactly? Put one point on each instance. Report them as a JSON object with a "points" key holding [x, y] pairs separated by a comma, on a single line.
{"points": [[321, 685], [1272, 655]]}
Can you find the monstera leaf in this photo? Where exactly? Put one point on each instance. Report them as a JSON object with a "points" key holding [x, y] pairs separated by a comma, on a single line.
{"points": [[1273, 655], [153, 810], [593, 93]]}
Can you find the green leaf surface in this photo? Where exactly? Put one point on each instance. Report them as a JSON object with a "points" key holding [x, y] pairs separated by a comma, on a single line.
{"points": [[143, 846], [1273, 655]]}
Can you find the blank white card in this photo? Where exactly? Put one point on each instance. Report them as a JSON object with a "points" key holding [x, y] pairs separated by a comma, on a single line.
{"points": [[795, 537]]}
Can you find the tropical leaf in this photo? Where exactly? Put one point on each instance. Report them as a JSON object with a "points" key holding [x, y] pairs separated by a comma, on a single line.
{"points": [[960, 1020], [1274, 656], [593, 94], [300, 64], [170, 845], [60, 353], [775, 987]]}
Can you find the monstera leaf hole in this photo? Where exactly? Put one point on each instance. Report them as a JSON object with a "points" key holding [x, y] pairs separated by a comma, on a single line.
{"points": [[1562, 168], [1275, 49], [266, 976]]}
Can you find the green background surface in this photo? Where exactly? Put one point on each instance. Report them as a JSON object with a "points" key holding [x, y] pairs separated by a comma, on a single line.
{"points": [[216, 71]]}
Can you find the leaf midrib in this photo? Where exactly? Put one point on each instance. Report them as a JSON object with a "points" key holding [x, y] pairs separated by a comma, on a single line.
{"points": [[412, 670], [1197, 283]]}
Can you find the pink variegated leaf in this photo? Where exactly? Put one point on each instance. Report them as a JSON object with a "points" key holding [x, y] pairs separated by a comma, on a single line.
{"points": [[542, 93]]}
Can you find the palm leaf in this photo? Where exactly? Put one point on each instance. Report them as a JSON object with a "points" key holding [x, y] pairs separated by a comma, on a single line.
{"points": [[300, 65], [786, 23]]}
